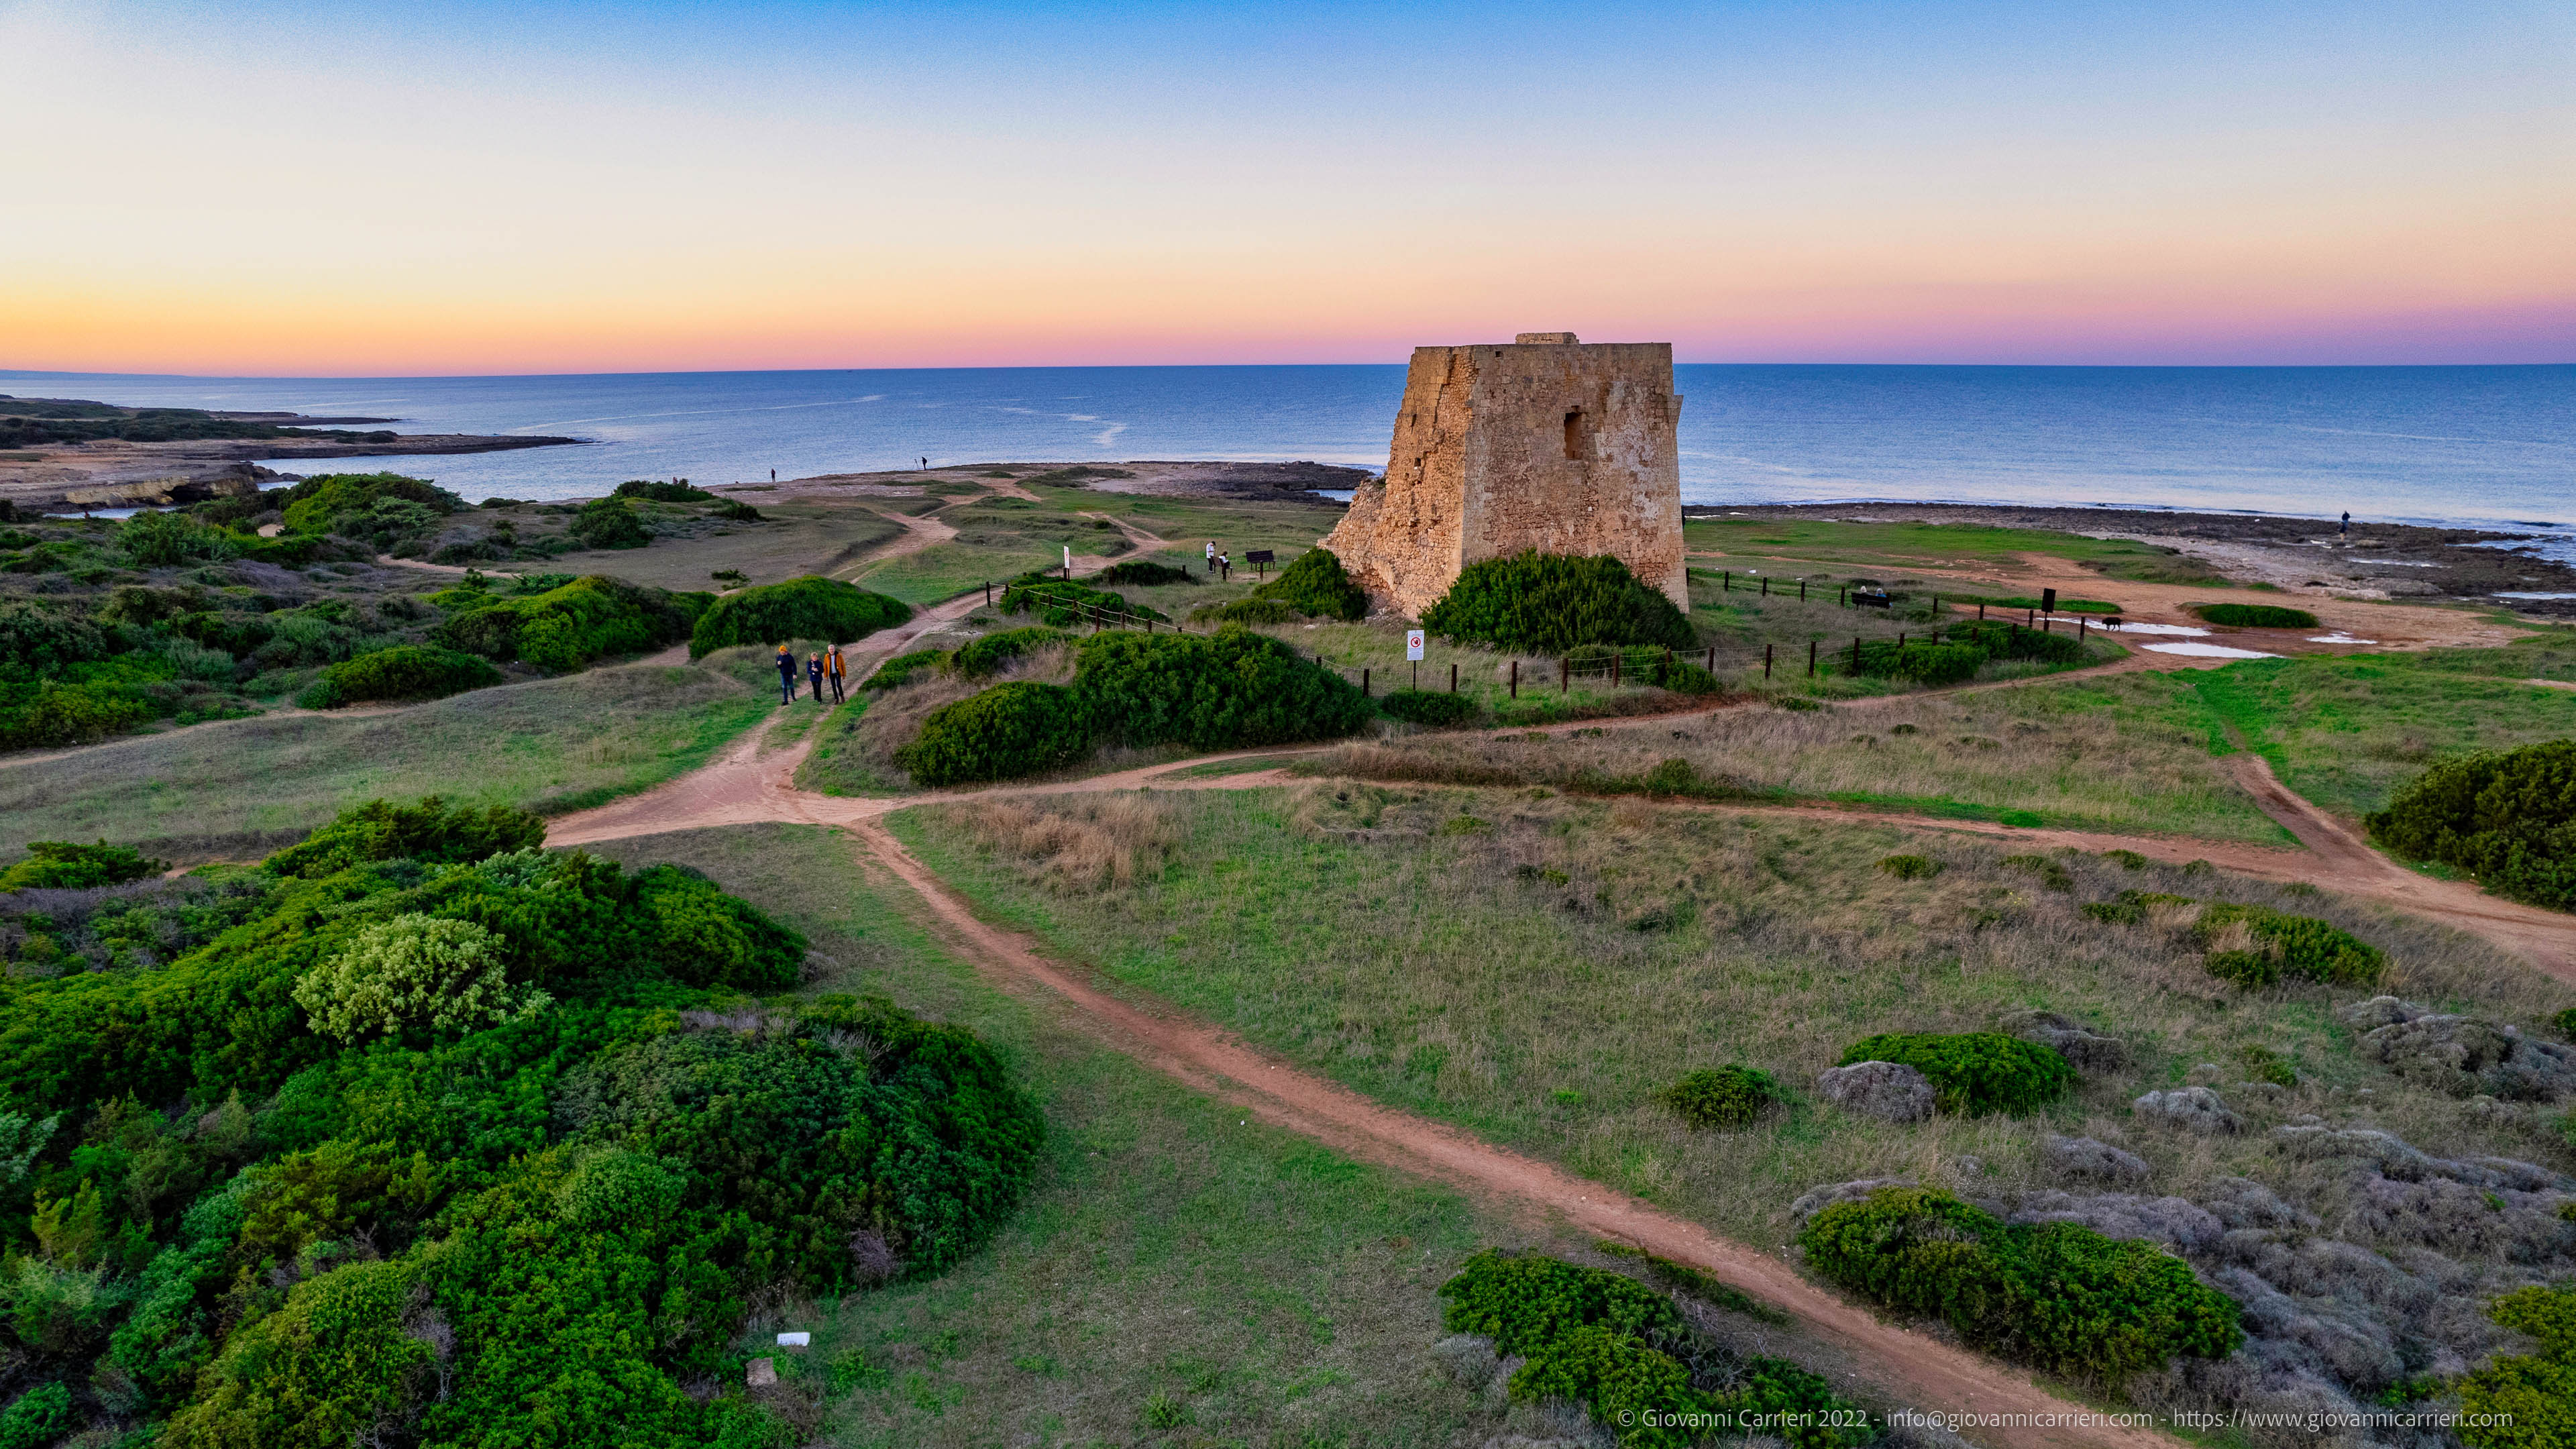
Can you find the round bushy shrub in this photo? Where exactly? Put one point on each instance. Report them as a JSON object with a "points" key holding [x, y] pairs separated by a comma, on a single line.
{"points": [[1064, 603], [1975, 1072], [1315, 584], [1728, 1096], [407, 671], [1227, 691], [326, 1369], [2527, 1401], [899, 670], [658, 490], [988, 654], [1910, 867], [1551, 603], [2255, 616], [1428, 707], [2057, 1295], [427, 831], [2299, 947], [70, 714], [1007, 731], [152, 540], [415, 971], [806, 608], [321, 504], [1249, 611], [64, 866], [1524, 1301], [609, 523], [568, 626], [37, 639], [2507, 817], [1144, 573]]}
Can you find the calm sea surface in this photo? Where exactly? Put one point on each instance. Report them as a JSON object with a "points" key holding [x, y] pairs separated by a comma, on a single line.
{"points": [[2489, 446]]}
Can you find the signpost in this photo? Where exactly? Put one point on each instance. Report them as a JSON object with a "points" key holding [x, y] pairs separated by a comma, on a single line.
{"points": [[1261, 559], [1413, 651]]}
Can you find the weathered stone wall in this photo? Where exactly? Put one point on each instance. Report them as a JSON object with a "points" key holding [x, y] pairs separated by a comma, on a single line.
{"points": [[1556, 445]]}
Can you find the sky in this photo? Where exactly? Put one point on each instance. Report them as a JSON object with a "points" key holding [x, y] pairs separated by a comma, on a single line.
{"points": [[309, 188]]}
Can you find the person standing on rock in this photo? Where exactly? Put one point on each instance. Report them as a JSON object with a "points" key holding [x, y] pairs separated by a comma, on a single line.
{"points": [[2347, 523], [786, 676], [834, 668], [814, 675]]}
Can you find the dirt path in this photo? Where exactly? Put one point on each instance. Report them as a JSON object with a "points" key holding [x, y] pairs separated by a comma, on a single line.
{"points": [[918, 534], [1911, 1367]]}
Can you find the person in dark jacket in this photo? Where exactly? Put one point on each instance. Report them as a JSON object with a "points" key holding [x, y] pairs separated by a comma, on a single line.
{"points": [[786, 676], [814, 675]]}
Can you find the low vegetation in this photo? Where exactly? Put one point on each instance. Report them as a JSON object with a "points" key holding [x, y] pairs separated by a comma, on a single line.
{"points": [[1314, 585], [569, 626], [1550, 603], [2255, 616], [1728, 1096], [806, 608], [2506, 817], [628, 1154], [1974, 1072], [2057, 1295], [1625, 1353], [404, 672]]}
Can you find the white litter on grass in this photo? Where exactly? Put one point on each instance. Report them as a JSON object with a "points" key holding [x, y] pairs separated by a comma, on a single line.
{"points": [[2339, 637], [2207, 651], [795, 1340], [2155, 629]]}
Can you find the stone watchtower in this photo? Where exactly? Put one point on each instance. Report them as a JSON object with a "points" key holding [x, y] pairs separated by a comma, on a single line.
{"points": [[1549, 443]]}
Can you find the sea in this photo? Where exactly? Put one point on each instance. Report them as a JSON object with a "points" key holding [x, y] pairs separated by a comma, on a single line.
{"points": [[2484, 447]]}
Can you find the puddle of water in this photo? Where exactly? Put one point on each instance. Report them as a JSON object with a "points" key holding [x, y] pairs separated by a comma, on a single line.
{"points": [[2339, 638], [2207, 651], [2156, 629], [2534, 596]]}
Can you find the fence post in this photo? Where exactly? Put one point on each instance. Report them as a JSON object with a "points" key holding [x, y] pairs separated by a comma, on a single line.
{"points": [[1842, 597], [1900, 641], [1453, 679], [1766, 661], [1564, 674], [1364, 684], [1766, 588], [1802, 591], [1811, 659], [2080, 622], [1981, 613], [2031, 617], [1712, 659], [1855, 656], [988, 593], [1616, 655], [1516, 679]]}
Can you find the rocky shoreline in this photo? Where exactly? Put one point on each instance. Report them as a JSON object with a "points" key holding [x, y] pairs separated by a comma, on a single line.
{"points": [[2294, 555], [118, 474]]}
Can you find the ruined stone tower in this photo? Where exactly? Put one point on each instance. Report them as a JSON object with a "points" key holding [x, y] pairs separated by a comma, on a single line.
{"points": [[1548, 443]]}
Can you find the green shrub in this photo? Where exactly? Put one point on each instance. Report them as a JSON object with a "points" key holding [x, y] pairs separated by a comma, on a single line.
{"points": [[1552, 603], [2051, 874], [2527, 1401], [1144, 573], [1524, 1302], [1249, 611], [2056, 1295], [2298, 947], [1618, 1377], [1005, 732], [1671, 671], [663, 491], [1229, 691], [899, 670], [38, 639], [988, 654], [426, 831], [406, 671], [1064, 604], [1916, 660], [2255, 616], [1314, 584], [2507, 817], [64, 866], [415, 971], [151, 540], [333, 502], [568, 626], [1428, 707], [609, 523], [1910, 867], [1675, 776], [1728, 1096], [805, 608], [1974, 1072], [2010, 641], [2565, 1021], [54, 714], [41, 1415]]}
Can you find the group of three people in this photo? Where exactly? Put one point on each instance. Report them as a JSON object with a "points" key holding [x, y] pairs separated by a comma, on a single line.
{"points": [[818, 668]]}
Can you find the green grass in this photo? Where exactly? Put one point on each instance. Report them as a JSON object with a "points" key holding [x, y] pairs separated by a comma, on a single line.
{"points": [[242, 787], [2347, 731], [1283, 1293], [1539, 977], [1907, 545], [2121, 752]]}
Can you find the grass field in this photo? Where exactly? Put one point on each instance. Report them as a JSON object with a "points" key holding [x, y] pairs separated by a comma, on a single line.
{"points": [[1931, 546], [244, 786], [2118, 752], [1536, 970], [1278, 1294], [2348, 731], [796, 539]]}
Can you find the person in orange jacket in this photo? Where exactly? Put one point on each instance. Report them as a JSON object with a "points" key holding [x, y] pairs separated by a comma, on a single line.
{"points": [[834, 669]]}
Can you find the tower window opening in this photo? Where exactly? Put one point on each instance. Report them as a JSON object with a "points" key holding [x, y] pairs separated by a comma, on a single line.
{"points": [[1578, 435]]}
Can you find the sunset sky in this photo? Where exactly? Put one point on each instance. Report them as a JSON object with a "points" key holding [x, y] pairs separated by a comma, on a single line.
{"points": [[303, 188]]}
